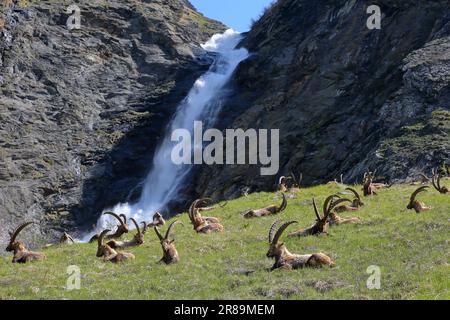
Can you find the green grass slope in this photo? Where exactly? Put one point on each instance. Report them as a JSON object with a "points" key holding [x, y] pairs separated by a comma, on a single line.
{"points": [[411, 249]]}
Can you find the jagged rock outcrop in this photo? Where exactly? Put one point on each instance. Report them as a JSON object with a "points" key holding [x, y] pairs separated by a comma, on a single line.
{"points": [[81, 111], [344, 97]]}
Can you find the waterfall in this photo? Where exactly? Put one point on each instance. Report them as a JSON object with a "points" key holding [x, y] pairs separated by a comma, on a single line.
{"points": [[203, 103]]}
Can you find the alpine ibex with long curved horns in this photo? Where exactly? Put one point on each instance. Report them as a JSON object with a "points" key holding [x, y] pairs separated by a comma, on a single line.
{"points": [[203, 225], [417, 205], [285, 259], [122, 227], [170, 253], [108, 253], [335, 220], [21, 253], [355, 205], [272, 209], [66, 239], [436, 180], [322, 222], [137, 240], [282, 184]]}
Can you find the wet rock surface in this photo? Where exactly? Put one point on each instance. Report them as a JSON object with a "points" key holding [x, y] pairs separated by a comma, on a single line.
{"points": [[82, 110], [344, 97]]}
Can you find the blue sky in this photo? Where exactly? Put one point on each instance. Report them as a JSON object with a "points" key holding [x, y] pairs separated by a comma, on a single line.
{"points": [[236, 14]]}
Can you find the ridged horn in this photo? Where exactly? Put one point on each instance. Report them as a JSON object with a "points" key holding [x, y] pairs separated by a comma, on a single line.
{"points": [[158, 234], [18, 230], [169, 230], [315, 209], [354, 192], [115, 216], [283, 203], [136, 225], [281, 230], [272, 230], [124, 217], [101, 236]]}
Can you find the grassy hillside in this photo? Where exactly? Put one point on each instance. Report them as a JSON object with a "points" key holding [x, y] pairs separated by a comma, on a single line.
{"points": [[411, 249]]}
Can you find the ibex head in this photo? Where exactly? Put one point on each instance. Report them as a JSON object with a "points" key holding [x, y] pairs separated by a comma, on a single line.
{"points": [[15, 245], [414, 195], [276, 249], [158, 219], [166, 243], [357, 202], [328, 206], [103, 249], [122, 228], [66, 238], [139, 236]]}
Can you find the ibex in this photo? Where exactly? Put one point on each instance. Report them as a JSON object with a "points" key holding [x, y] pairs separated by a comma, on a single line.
{"points": [[282, 184], [272, 209], [322, 222], [21, 254], [335, 220], [355, 205], [203, 225], [66, 239], [295, 185], [108, 253], [417, 205], [436, 180], [285, 259], [122, 228], [170, 253], [137, 240]]}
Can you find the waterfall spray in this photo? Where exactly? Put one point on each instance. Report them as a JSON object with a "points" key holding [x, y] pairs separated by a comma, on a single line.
{"points": [[203, 103]]}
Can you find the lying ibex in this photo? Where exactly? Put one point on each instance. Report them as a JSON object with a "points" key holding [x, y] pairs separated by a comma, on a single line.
{"points": [[295, 185], [285, 259], [273, 209], [436, 180], [417, 205], [170, 253], [137, 240], [21, 254], [322, 222], [66, 239], [282, 184], [369, 186], [122, 227], [355, 205], [335, 220], [203, 225], [108, 253]]}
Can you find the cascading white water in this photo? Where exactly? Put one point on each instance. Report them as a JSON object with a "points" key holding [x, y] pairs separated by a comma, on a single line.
{"points": [[202, 104]]}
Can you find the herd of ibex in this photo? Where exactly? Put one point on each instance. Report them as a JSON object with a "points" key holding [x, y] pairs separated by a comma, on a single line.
{"points": [[328, 217]]}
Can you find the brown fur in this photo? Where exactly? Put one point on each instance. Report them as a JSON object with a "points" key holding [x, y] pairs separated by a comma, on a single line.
{"points": [[436, 180], [137, 240], [21, 253], [273, 209], [170, 253], [108, 253], [417, 205], [66, 239], [285, 259], [322, 221], [203, 225], [122, 228]]}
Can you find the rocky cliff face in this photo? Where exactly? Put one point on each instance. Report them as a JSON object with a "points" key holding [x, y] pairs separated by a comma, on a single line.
{"points": [[81, 111], [344, 97]]}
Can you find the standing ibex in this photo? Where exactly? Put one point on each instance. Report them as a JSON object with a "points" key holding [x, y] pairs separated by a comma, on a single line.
{"points": [[137, 240], [21, 254], [436, 180], [170, 253], [285, 259], [417, 205], [273, 209], [122, 227], [322, 222], [108, 253], [203, 225], [66, 239]]}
